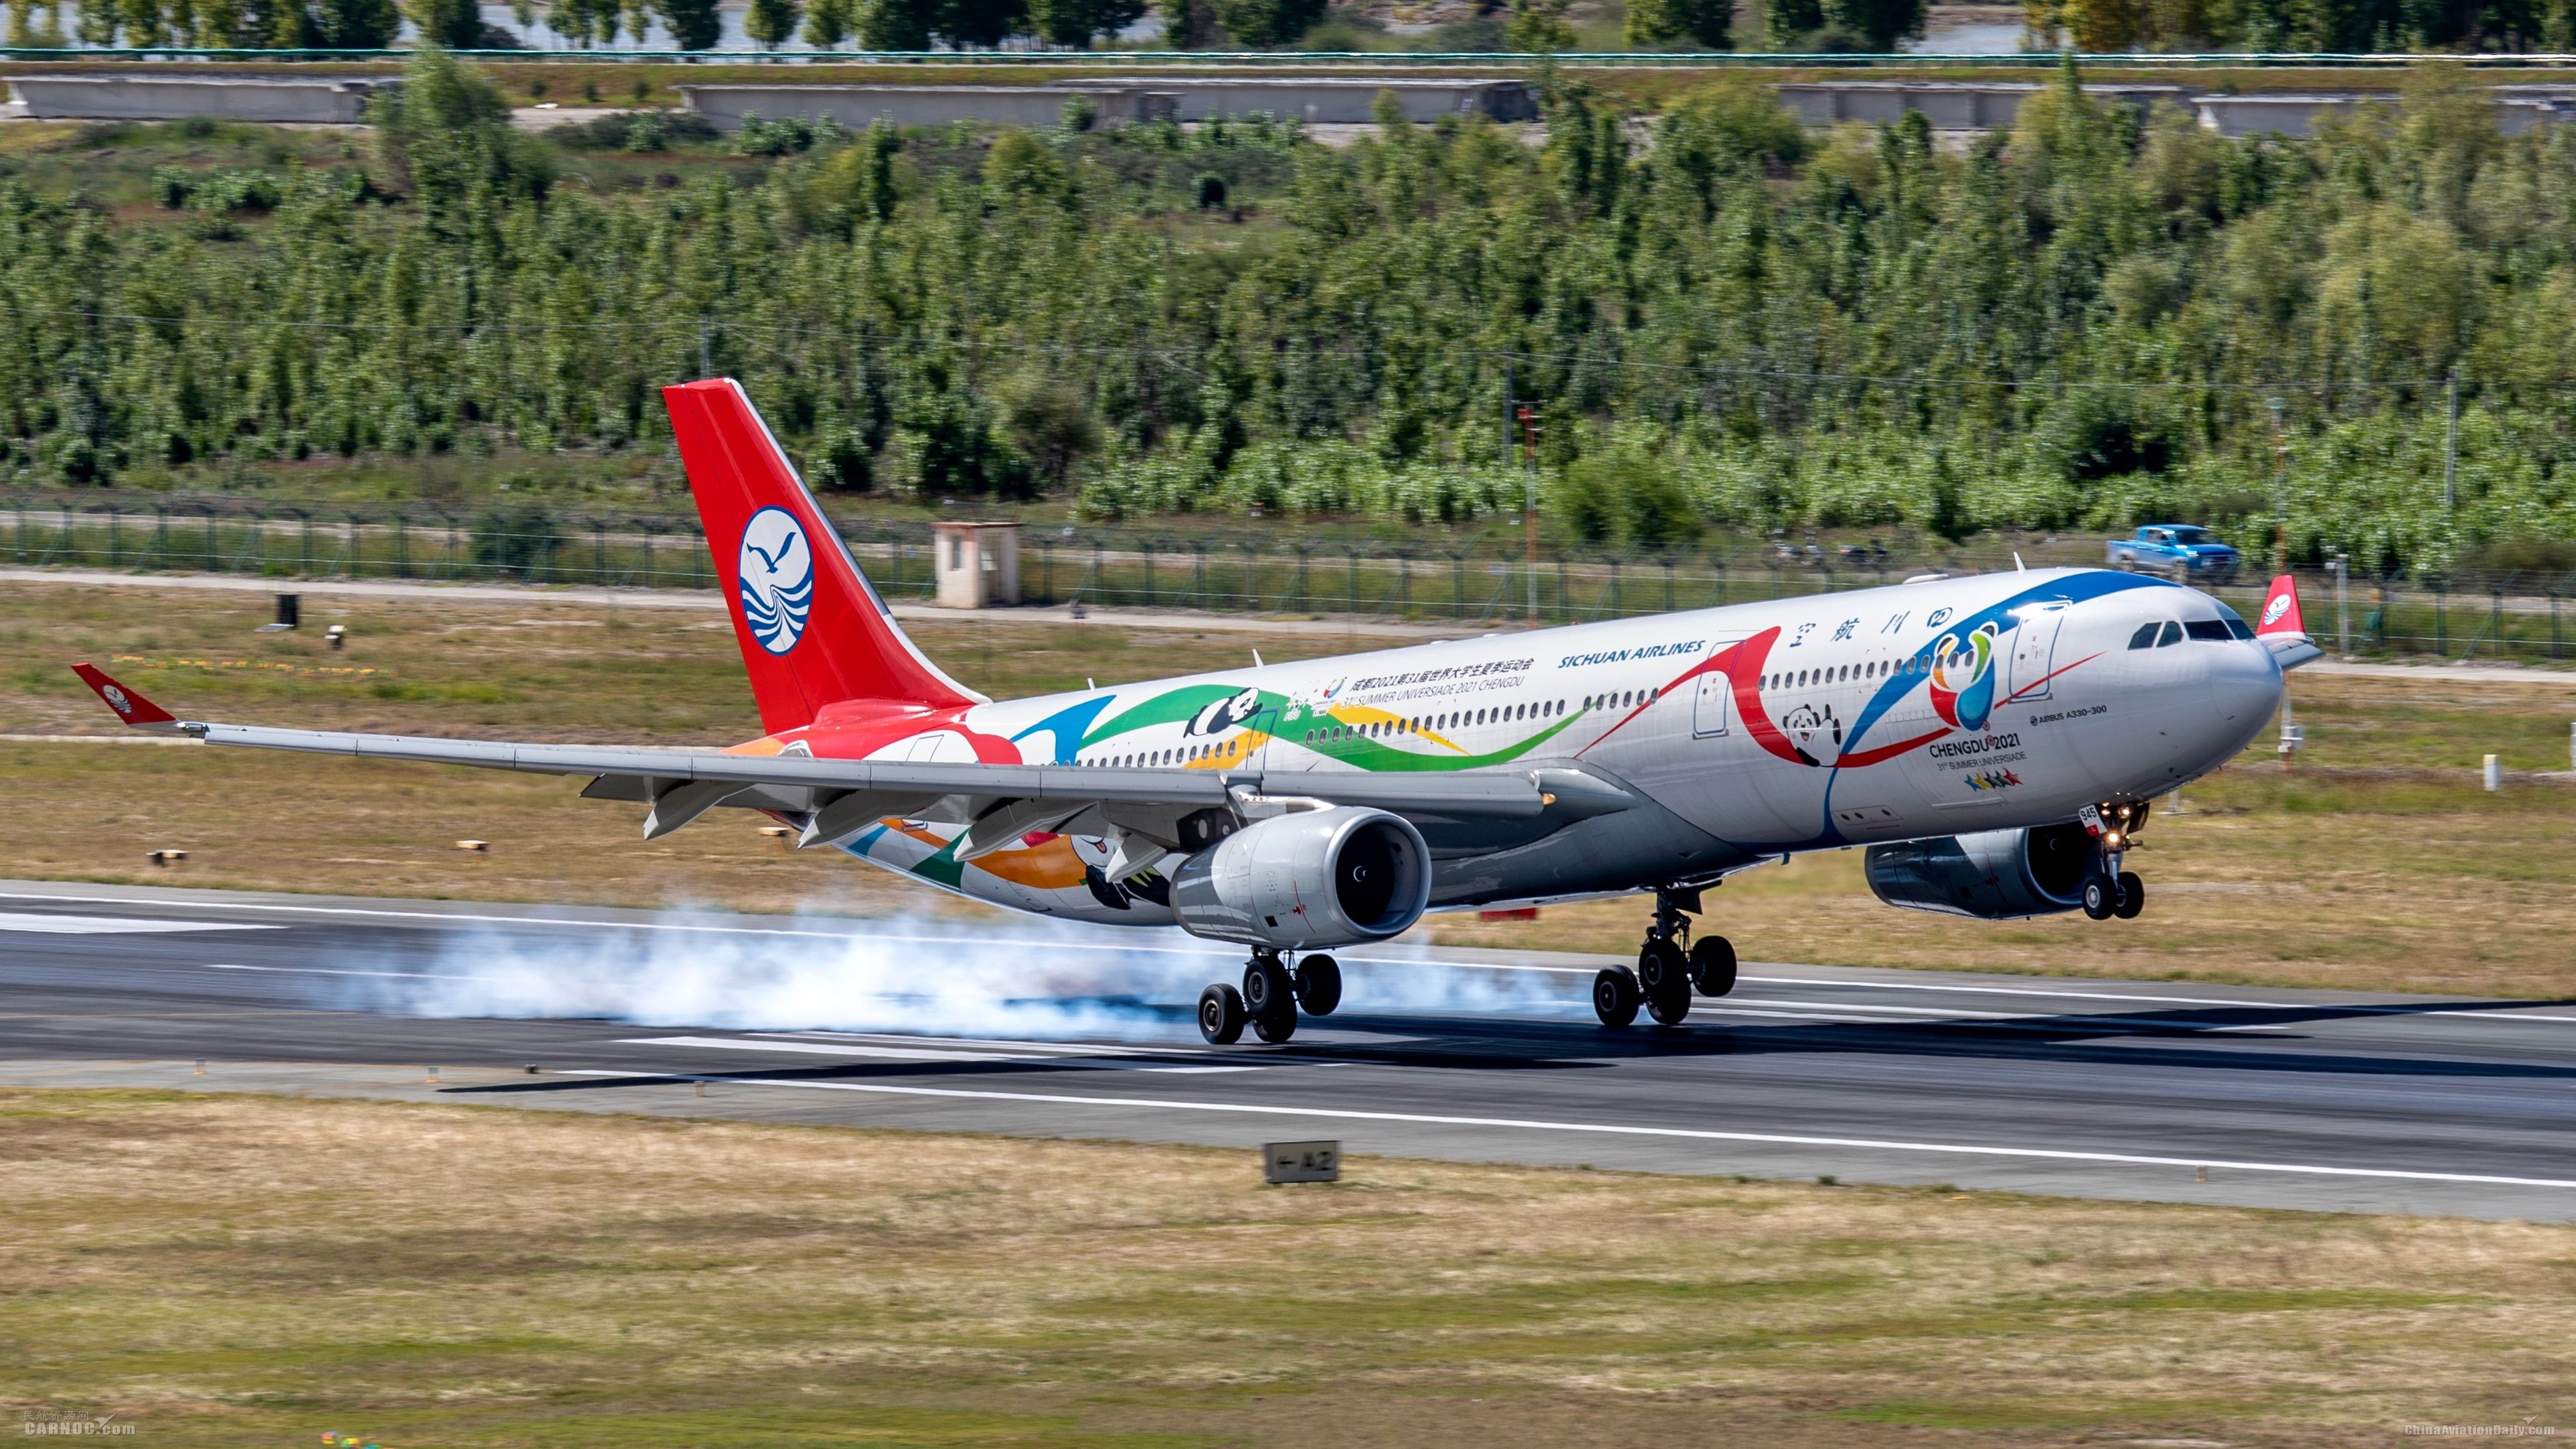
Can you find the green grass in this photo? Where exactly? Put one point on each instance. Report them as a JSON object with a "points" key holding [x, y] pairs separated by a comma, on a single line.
{"points": [[244, 1271]]}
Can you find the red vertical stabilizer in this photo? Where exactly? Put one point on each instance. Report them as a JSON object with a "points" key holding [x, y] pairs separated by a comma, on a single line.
{"points": [[2281, 609], [813, 631]]}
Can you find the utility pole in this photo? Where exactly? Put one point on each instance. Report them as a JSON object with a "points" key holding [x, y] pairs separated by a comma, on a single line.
{"points": [[2451, 445], [2280, 490], [1528, 414]]}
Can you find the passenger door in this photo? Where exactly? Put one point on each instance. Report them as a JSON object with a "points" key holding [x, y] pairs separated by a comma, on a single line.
{"points": [[1714, 702], [2033, 650]]}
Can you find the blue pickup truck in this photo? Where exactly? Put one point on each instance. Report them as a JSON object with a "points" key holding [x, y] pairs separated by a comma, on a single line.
{"points": [[2185, 551]]}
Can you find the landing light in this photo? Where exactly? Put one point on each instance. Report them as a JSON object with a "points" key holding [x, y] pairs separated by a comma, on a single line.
{"points": [[2111, 841]]}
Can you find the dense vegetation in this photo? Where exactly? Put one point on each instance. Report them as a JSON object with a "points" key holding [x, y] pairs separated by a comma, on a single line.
{"points": [[2079, 324]]}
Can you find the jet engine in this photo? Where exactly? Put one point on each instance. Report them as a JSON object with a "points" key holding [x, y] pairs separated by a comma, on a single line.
{"points": [[1994, 874], [1333, 877]]}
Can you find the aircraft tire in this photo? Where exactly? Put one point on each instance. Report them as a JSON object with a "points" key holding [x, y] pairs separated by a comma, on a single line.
{"points": [[2099, 900], [1267, 990], [1712, 965], [1278, 1025], [1319, 985], [1662, 970], [1668, 1008], [1221, 1015], [2133, 896], [1615, 996]]}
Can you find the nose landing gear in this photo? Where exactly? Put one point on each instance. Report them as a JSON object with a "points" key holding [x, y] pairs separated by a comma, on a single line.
{"points": [[1272, 995], [2109, 890], [1666, 975]]}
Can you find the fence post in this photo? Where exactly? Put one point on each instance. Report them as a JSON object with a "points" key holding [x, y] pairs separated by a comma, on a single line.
{"points": [[2553, 623], [1668, 583], [1457, 586], [160, 536], [2442, 618]]}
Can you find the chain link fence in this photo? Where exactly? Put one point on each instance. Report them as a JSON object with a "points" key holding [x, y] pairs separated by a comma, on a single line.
{"points": [[2516, 616]]}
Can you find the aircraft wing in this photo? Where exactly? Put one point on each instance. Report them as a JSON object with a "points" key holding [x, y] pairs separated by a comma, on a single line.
{"points": [[999, 801]]}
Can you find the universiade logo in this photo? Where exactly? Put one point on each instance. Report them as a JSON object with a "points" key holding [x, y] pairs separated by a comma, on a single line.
{"points": [[777, 587]]}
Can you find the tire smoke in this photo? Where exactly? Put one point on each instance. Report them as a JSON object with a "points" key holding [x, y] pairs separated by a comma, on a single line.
{"points": [[1014, 978]]}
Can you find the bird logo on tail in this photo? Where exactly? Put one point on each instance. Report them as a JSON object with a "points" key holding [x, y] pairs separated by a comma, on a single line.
{"points": [[777, 579]]}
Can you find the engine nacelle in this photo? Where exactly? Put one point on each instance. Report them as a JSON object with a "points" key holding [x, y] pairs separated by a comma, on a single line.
{"points": [[1333, 877], [1993, 874]]}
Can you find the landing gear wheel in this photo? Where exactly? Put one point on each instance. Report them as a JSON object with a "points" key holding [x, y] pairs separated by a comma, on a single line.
{"points": [[2133, 896], [2099, 902], [1615, 995], [1319, 985], [1712, 965], [1662, 971], [1669, 1007], [1267, 989], [1277, 1026], [1221, 1015]]}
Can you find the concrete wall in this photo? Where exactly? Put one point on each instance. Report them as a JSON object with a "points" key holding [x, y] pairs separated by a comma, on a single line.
{"points": [[1988, 105], [1949, 106], [319, 99], [861, 106], [1330, 100]]}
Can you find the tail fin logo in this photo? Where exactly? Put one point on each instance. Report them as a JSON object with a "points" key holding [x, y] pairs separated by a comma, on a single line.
{"points": [[777, 579]]}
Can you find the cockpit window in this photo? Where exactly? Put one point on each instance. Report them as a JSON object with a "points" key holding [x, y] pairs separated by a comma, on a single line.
{"points": [[2209, 629], [2172, 635], [2145, 638], [2237, 628]]}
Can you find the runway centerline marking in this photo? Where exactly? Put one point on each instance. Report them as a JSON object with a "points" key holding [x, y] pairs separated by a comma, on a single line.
{"points": [[1350, 1114], [38, 923], [334, 971]]}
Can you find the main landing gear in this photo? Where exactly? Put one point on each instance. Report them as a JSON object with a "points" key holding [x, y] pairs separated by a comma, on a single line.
{"points": [[1272, 995], [1666, 975], [2108, 890]]}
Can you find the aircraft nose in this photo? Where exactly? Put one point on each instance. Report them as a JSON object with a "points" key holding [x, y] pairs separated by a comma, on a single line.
{"points": [[2241, 692]]}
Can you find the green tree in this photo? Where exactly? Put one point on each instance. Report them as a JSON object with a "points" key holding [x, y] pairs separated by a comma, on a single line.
{"points": [[828, 23], [455, 24], [1264, 24], [1078, 23], [446, 136], [898, 24], [1538, 27], [694, 24], [1707, 23], [772, 23]]}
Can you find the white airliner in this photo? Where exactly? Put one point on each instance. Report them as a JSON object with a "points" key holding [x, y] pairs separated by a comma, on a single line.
{"points": [[1994, 741]]}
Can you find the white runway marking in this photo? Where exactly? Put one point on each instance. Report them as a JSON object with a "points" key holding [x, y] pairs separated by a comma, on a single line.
{"points": [[1341, 1114], [1085, 1057], [327, 971], [44, 925]]}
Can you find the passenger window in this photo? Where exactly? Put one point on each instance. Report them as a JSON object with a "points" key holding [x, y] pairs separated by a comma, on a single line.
{"points": [[2171, 636], [2145, 638], [2208, 629]]}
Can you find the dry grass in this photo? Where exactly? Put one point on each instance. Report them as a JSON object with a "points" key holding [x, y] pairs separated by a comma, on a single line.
{"points": [[2378, 865], [248, 1271]]}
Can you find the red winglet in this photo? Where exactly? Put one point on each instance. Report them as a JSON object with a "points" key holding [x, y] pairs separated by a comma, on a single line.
{"points": [[2281, 610], [130, 707]]}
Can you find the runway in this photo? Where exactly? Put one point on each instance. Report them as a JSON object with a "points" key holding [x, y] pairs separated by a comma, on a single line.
{"points": [[2137, 1090]]}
